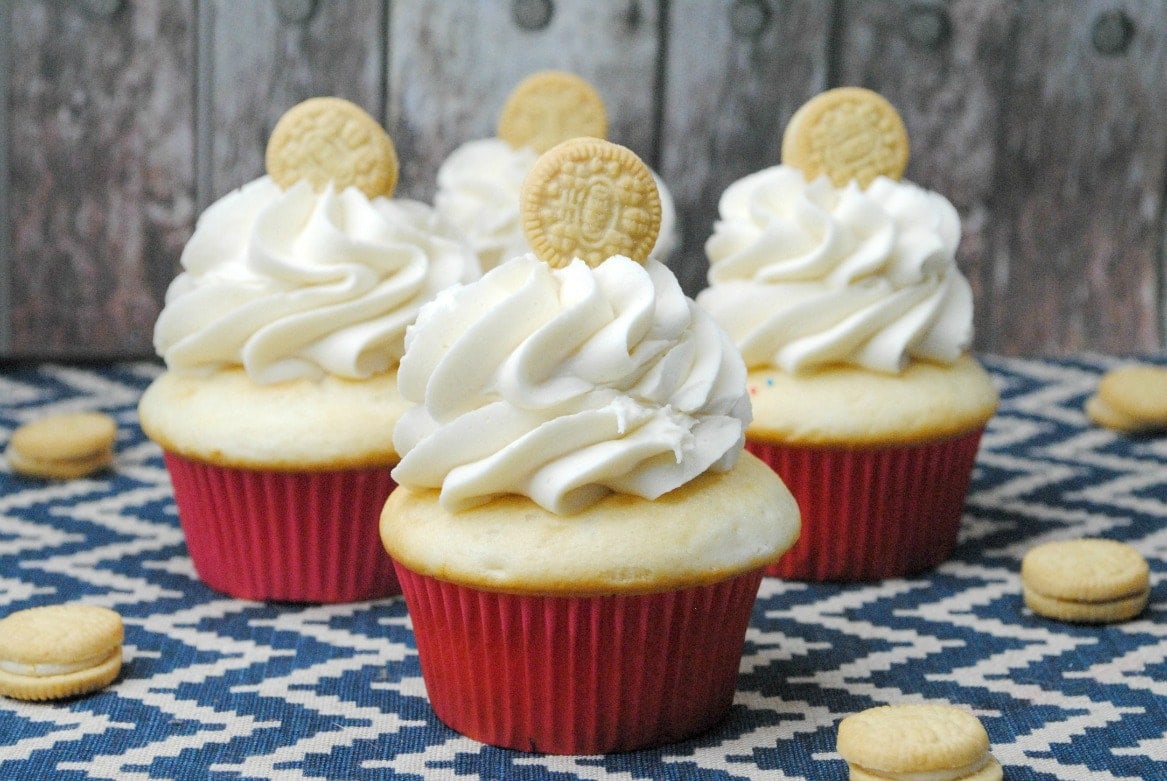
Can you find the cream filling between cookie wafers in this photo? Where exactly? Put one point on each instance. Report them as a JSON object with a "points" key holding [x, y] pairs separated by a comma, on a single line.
{"points": [[943, 774], [71, 461], [45, 670]]}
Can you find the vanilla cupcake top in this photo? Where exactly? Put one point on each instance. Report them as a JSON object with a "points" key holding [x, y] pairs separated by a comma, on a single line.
{"points": [[564, 381], [478, 185], [807, 272], [307, 273]]}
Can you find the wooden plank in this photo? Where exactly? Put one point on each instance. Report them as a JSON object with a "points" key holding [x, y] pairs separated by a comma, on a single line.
{"points": [[728, 97], [1073, 231], [6, 263], [451, 66], [262, 62], [1049, 147], [101, 178]]}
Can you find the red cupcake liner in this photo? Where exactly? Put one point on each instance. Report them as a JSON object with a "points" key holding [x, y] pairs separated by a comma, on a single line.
{"points": [[285, 536], [872, 513], [579, 675]]}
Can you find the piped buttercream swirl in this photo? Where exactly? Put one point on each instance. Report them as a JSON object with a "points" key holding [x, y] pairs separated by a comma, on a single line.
{"points": [[564, 385], [805, 274], [297, 284]]}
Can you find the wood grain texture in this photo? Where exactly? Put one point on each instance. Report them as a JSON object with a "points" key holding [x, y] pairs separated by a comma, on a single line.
{"points": [[6, 260], [123, 128], [101, 172], [727, 100], [1073, 230], [262, 63], [452, 65]]}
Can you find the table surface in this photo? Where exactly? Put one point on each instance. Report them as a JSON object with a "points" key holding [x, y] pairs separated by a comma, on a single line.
{"points": [[221, 688]]}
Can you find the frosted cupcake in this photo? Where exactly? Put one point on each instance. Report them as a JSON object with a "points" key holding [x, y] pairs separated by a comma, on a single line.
{"points": [[578, 534], [281, 338], [479, 183], [838, 283]]}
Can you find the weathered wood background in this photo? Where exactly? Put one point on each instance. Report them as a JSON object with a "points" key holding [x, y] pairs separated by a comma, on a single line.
{"points": [[1042, 120]]}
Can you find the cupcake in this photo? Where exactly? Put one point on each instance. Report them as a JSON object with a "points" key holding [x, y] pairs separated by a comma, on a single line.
{"points": [[838, 283], [478, 184], [577, 531], [281, 338]]}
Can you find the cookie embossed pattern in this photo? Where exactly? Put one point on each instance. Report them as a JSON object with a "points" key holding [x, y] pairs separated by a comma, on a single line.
{"points": [[214, 687], [479, 184]]}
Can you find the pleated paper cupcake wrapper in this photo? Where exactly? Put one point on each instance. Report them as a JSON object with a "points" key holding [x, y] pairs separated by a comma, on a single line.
{"points": [[579, 675], [285, 536], [875, 513]]}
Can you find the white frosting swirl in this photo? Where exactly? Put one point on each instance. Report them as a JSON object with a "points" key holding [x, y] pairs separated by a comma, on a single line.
{"points": [[566, 384], [297, 284], [806, 274], [478, 193]]}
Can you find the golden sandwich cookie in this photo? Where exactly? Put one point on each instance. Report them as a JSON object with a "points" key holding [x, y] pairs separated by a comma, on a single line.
{"points": [[847, 133], [590, 199], [1090, 581], [329, 139], [549, 107], [63, 446], [58, 651], [916, 741], [1131, 399]]}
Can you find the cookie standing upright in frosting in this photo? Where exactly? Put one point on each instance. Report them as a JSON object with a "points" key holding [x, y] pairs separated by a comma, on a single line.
{"points": [[574, 465], [838, 282], [281, 338], [479, 183]]}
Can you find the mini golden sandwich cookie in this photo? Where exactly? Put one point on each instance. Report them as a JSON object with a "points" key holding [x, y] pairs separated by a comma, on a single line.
{"points": [[58, 651], [63, 446], [1088, 581], [1131, 399], [329, 140], [847, 133], [551, 106], [916, 741], [590, 199]]}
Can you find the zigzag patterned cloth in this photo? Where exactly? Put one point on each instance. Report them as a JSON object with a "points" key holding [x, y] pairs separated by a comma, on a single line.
{"points": [[225, 689]]}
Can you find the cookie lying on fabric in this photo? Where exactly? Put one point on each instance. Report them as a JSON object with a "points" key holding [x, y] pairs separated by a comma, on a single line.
{"points": [[909, 741], [1131, 399], [57, 651], [1090, 581], [63, 446]]}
